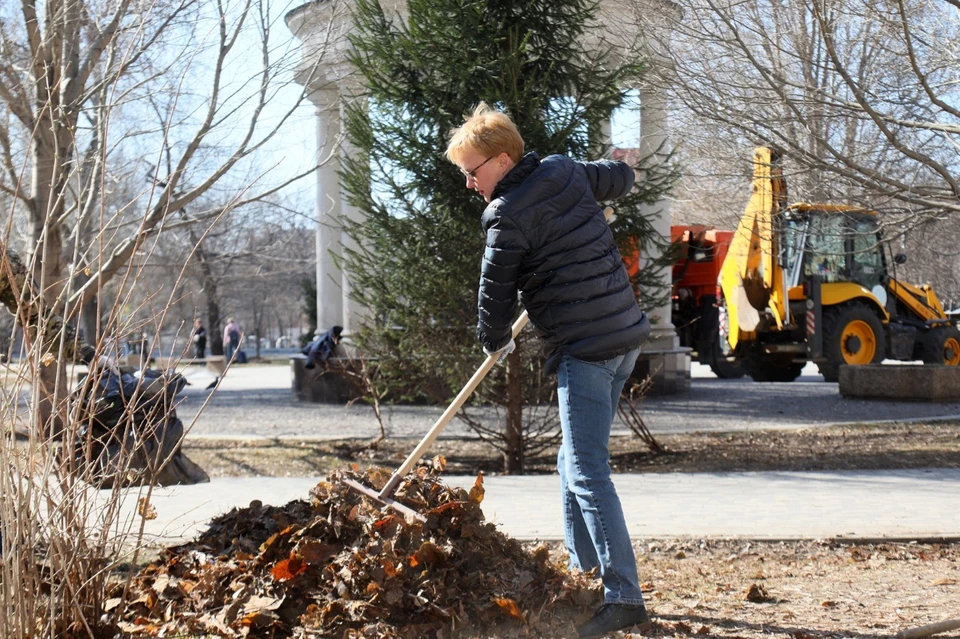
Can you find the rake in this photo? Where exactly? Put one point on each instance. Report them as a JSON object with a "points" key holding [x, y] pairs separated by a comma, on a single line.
{"points": [[384, 495]]}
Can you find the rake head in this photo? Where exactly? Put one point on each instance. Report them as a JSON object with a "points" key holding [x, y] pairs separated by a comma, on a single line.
{"points": [[383, 500]]}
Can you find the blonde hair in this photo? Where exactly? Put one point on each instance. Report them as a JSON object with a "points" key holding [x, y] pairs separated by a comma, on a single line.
{"points": [[488, 132]]}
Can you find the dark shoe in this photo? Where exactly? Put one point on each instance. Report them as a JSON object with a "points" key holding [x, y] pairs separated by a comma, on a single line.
{"points": [[612, 617]]}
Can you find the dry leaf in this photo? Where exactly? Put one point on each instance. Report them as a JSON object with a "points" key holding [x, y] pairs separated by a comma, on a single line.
{"points": [[315, 553], [477, 492], [258, 603], [439, 463], [112, 603], [510, 607], [828, 604], [428, 554], [757, 594], [271, 540], [259, 619], [288, 568], [47, 359], [145, 509]]}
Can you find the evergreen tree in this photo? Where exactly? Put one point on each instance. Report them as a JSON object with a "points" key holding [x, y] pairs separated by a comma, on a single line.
{"points": [[417, 268]]}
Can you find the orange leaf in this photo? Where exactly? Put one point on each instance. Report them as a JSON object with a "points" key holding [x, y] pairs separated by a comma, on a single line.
{"points": [[269, 542], [389, 568], [510, 607], [476, 493], [439, 463], [288, 568], [445, 507], [385, 525], [430, 554]]}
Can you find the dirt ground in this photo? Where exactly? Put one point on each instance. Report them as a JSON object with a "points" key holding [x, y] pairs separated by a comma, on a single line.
{"points": [[835, 448], [800, 590], [720, 588]]}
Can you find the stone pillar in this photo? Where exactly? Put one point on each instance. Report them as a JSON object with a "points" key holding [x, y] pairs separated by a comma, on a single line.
{"points": [[653, 151], [329, 277], [352, 311], [663, 349]]}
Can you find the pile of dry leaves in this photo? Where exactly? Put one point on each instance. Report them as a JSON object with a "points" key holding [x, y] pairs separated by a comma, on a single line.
{"points": [[340, 567]]}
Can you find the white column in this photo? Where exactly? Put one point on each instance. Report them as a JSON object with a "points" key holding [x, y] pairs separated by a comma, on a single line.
{"points": [[653, 151], [353, 312], [329, 278]]}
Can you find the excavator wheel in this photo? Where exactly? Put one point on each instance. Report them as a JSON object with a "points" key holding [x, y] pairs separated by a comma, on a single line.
{"points": [[723, 368], [853, 335], [942, 346]]}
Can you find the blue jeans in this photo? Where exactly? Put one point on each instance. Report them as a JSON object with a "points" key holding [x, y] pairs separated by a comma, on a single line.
{"points": [[594, 528]]}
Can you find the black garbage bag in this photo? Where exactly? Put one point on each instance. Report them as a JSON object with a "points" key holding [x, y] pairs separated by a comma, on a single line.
{"points": [[130, 433]]}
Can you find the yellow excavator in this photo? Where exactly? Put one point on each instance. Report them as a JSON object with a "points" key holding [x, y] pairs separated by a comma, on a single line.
{"points": [[814, 282]]}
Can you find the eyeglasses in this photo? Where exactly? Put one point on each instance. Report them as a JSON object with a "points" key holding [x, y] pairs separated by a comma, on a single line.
{"points": [[473, 174]]}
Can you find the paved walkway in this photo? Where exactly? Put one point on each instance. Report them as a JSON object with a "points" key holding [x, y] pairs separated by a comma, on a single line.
{"points": [[255, 401], [897, 504]]}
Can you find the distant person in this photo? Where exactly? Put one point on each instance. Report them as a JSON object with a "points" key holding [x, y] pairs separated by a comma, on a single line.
{"points": [[199, 339], [322, 348], [231, 339]]}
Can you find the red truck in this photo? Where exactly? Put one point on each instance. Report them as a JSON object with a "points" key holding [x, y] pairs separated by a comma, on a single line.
{"points": [[698, 320]]}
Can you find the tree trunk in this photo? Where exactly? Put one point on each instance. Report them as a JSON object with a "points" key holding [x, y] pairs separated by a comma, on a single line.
{"points": [[258, 312], [90, 321], [209, 285], [213, 321], [513, 437]]}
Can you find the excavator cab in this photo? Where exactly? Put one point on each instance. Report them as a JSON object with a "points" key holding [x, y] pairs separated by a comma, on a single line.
{"points": [[835, 245]]}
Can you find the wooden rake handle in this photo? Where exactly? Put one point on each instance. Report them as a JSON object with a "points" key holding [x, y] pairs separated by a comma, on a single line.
{"points": [[455, 406], [448, 414]]}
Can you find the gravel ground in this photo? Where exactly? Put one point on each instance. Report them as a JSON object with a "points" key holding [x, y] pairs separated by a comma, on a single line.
{"points": [[256, 401]]}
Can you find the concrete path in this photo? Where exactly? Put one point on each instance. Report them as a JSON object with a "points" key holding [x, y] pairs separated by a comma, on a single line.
{"points": [[256, 401], [897, 504]]}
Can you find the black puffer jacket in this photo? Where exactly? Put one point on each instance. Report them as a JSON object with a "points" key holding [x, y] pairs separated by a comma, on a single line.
{"points": [[547, 238]]}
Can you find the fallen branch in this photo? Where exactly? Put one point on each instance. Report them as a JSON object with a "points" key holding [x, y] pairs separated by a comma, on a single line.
{"points": [[930, 629]]}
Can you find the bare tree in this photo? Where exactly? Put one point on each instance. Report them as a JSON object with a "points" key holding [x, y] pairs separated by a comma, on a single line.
{"points": [[83, 161], [861, 95], [87, 193], [248, 265]]}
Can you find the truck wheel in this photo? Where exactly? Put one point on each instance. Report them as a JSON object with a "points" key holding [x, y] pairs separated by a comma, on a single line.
{"points": [[942, 346], [853, 335], [723, 368]]}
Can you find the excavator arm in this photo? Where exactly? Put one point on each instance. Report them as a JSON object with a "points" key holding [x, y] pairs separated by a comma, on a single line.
{"points": [[751, 277]]}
